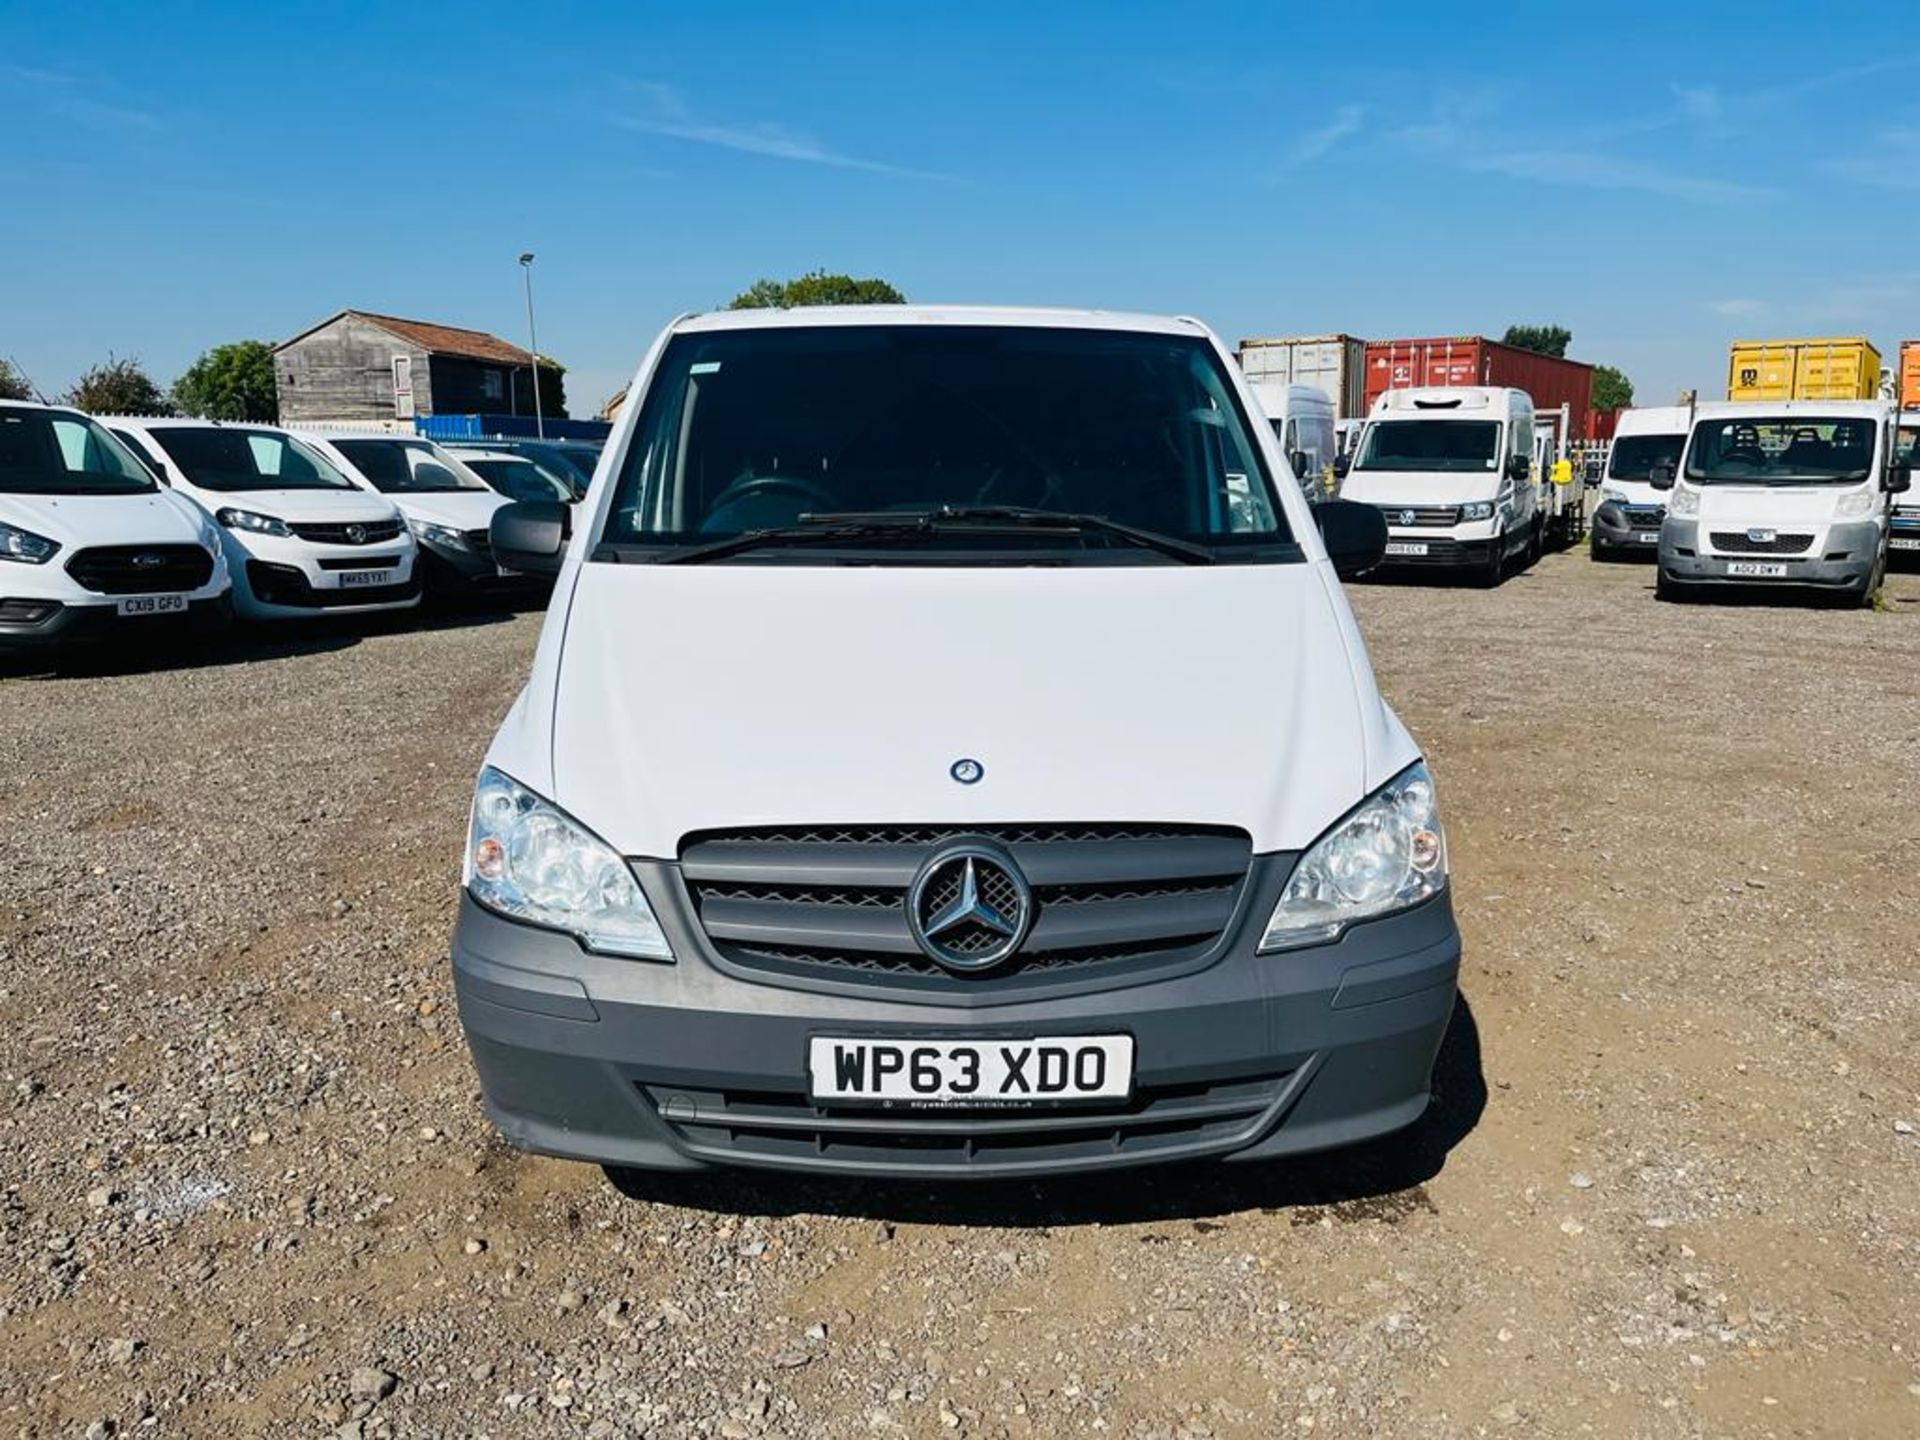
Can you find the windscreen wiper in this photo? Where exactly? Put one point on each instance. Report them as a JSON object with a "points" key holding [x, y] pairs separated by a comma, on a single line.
{"points": [[806, 533], [1022, 517]]}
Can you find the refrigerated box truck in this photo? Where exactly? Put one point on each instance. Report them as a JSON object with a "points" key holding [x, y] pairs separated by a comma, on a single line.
{"points": [[1839, 368], [1330, 363], [1472, 360]]}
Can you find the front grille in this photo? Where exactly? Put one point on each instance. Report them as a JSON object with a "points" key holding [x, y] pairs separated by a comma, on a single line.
{"points": [[1644, 517], [833, 900], [141, 569], [1407, 516], [370, 532], [1738, 542], [1160, 1121]]}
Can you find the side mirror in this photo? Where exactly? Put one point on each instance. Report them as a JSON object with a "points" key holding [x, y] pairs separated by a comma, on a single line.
{"points": [[1899, 479], [1355, 536], [1519, 467], [1341, 465], [531, 535], [1299, 462], [1660, 476]]}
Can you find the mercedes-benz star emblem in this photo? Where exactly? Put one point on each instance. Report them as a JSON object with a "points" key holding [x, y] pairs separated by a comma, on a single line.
{"points": [[357, 534], [1407, 517], [967, 771], [969, 908]]}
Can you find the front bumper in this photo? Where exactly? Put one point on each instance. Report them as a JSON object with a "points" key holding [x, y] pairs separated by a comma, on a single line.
{"points": [[1441, 550], [36, 623], [445, 570], [687, 1065], [1845, 557], [1617, 530]]}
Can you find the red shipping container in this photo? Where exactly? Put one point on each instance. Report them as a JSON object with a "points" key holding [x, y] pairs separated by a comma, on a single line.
{"points": [[1474, 360]]}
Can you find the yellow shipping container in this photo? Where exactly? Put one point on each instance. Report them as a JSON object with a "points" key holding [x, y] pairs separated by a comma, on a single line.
{"points": [[1843, 368]]}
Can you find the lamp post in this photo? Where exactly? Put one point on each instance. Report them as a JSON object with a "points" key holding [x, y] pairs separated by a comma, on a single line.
{"points": [[533, 346]]}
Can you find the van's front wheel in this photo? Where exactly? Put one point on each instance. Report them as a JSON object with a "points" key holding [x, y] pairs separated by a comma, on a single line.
{"points": [[1494, 568]]}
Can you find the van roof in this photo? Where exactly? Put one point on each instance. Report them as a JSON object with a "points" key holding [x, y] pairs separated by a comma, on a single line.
{"points": [[931, 315], [1443, 400], [1652, 420], [1723, 409]]}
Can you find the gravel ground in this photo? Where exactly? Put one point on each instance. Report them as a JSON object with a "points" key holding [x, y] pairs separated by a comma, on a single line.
{"points": [[1670, 1188]]}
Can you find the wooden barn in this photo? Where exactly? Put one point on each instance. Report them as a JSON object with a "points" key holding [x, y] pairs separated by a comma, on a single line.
{"points": [[360, 366]]}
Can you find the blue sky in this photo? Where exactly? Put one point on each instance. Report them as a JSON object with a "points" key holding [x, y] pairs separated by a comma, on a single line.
{"points": [[1659, 178]]}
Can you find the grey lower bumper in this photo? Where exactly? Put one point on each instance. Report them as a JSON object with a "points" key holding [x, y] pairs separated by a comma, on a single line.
{"points": [[1613, 531], [687, 1065], [1846, 559]]}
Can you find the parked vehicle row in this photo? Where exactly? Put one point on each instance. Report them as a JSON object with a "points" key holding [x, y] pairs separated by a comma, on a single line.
{"points": [[126, 524]]}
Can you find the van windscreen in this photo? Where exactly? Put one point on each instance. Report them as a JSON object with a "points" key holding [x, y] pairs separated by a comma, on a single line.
{"points": [[1634, 456], [1781, 450], [1437, 445], [754, 429]]}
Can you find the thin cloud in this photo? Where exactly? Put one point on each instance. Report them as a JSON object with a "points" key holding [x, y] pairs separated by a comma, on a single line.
{"points": [[1739, 307], [1892, 164], [65, 96], [670, 115], [1315, 144]]}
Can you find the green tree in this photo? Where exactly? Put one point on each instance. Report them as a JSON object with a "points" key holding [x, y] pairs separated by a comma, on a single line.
{"points": [[816, 287], [13, 384], [1541, 339], [1611, 389], [553, 388], [118, 387], [230, 382]]}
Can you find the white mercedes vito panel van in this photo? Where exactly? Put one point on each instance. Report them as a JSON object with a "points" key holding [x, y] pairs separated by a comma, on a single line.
{"points": [[90, 546], [1627, 522], [301, 538], [1782, 492], [1452, 470], [949, 752]]}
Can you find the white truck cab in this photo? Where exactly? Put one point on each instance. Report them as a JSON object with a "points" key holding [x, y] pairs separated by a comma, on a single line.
{"points": [[1903, 532], [1790, 492], [1451, 468], [1628, 519], [1303, 421]]}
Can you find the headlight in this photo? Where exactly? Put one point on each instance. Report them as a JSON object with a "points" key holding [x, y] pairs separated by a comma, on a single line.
{"points": [[25, 546], [1854, 504], [433, 534], [528, 860], [251, 520], [1477, 510], [1685, 504], [1387, 855], [1614, 495]]}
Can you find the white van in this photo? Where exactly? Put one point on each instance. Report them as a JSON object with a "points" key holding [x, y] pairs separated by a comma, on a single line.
{"points": [[1903, 533], [1627, 522], [1303, 417], [1452, 470], [447, 506], [301, 539], [90, 546], [1007, 794], [1791, 492]]}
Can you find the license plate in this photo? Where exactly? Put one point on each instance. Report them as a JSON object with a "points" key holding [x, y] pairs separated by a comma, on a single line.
{"points": [[352, 579], [972, 1072], [1406, 547], [1755, 569], [1648, 537], [150, 605], [1904, 542]]}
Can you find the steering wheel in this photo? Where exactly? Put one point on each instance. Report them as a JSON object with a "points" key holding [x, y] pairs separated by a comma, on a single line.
{"points": [[765, 484]]}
